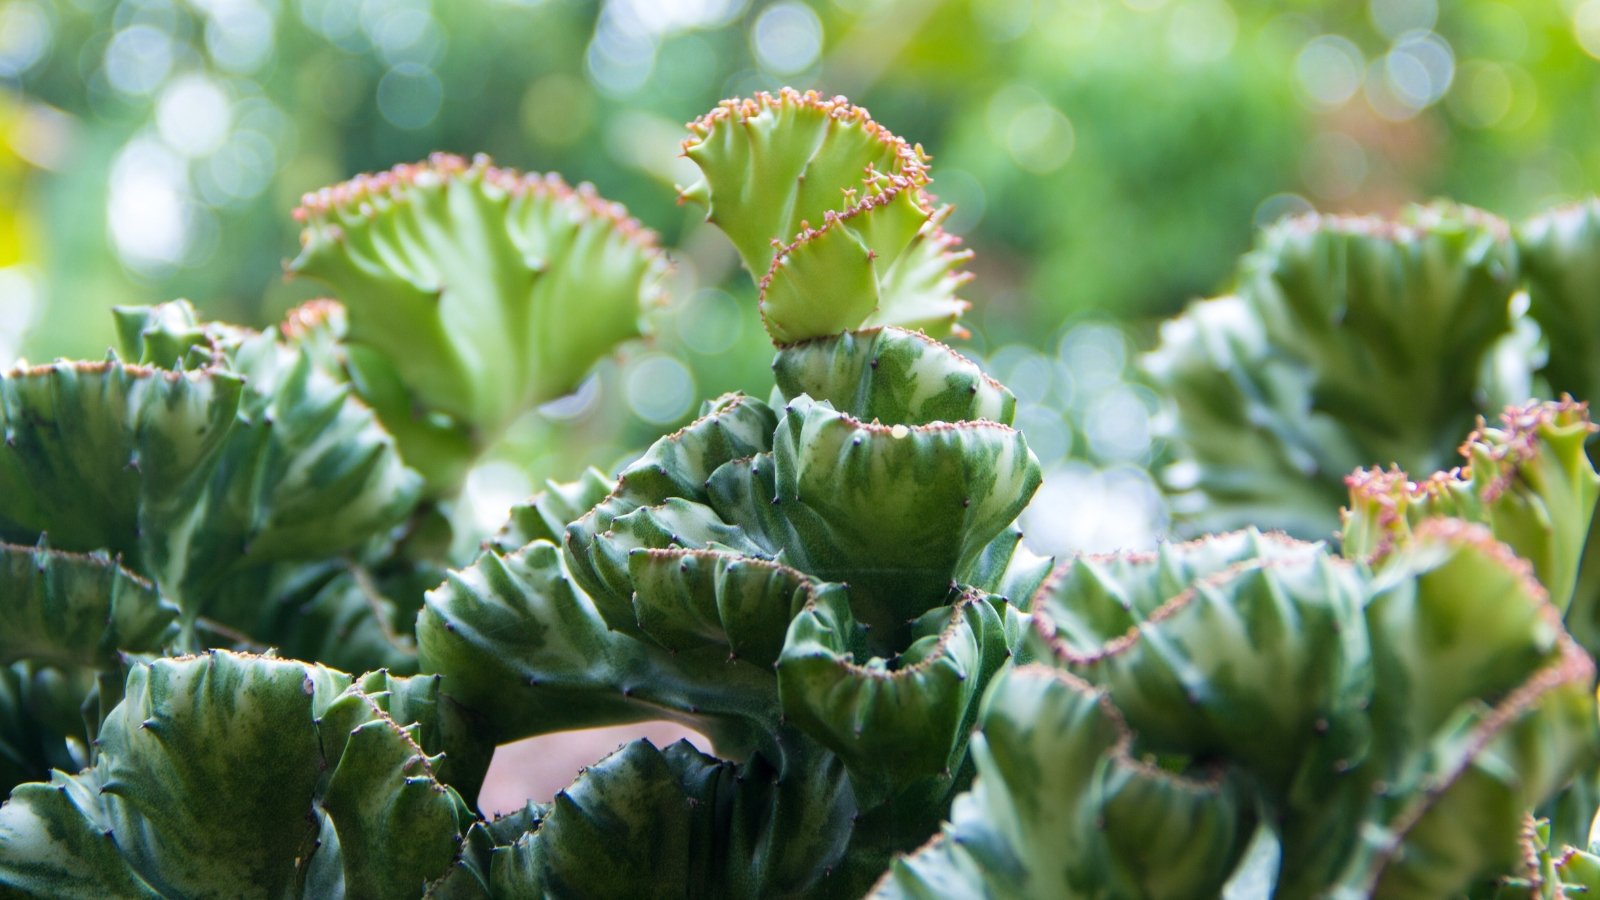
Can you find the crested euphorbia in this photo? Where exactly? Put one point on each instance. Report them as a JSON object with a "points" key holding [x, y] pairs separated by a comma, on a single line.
{"points": [[829, 583]]}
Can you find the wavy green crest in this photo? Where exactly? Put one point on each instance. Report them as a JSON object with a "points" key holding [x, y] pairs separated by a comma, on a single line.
{"points": [[1391, 730], [1529, 480], [892, 376], [841, 232], [473, 294], [1559, 255], [898, 513], [68, 609], [1349, 342], [311, 787]]}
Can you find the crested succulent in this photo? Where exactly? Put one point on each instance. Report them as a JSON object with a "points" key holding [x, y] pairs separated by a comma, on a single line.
{"points": [[827, 583], [214, 486], [343, 794], [1346, 342], [840, 230], [1529, 480], [1364, 343], [1250, 710], [472, 294], [823, 587]]}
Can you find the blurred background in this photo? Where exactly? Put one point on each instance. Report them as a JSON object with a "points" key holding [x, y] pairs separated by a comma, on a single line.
{"points": [[1109, 160]]}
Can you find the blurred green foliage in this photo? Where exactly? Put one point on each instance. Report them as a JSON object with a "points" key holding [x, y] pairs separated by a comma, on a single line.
{"points": [[1108, 158]]}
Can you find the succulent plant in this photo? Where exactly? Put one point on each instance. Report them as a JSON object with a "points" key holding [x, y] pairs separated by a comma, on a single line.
{"points": [[1346, 342], [1529, 480], [472, 294], [830, 213], [229, 774], [216, 486], [828, 584], [824, 587], [1251, 709]]}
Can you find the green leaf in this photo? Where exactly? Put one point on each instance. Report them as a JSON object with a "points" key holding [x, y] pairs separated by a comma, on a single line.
{"points": [[1261, 661], [1529, 481], [1393, 729], [1350, 342], [901, 718], [237, 732], [397, 826], [801, 151], [898, 513], [107, 456], [167, 335], [522, 646], [701, 597], [478, 291], [545, 515], [1060, 809], [1559, 254], [842, 232], [892, 376], [677, 466], [67, 609], [308, 472], [675, 823], [42, 720], [240, 776]]}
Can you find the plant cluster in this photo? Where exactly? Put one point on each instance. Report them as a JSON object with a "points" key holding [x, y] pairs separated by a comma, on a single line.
{"points": [[207, 534]]}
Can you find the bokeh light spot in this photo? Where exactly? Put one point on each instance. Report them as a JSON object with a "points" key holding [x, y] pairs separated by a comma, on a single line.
{"points": [[1329, 69], [24, 36], [787, 38], [193, 115], [409, 96], [710, 322], [1202, 31], [660, 389], [138, 59]]}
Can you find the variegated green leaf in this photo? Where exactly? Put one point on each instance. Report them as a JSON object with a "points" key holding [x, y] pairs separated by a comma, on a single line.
{"points": [[1530, 481], [1350, 342], [198, 479], [893, 376], [1558, 253], [521, 644], [898, 513], [702, 597], [1062, 809], [169, 335], [894, 719], [545, 515], [43, 723], [311, 789], [1392, 729], [67, 609], [674, 823], [107, 456]]}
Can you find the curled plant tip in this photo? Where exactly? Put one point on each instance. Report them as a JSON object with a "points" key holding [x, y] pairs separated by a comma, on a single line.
{"points": [[472, 294], [1348, 342], [844, 232], [1529, 480], [1435, 703], [311, 787], [1065, 800], [313, 316]]}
